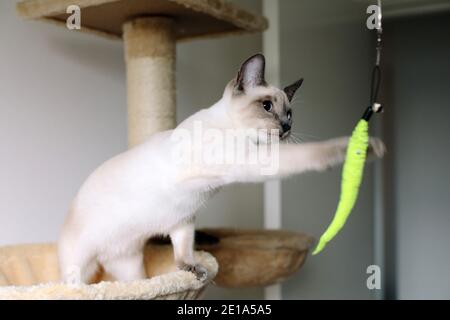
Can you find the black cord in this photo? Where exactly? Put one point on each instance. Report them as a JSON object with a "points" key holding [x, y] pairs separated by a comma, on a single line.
{"points": [[376, 77], [374, 91], [375, 85]]}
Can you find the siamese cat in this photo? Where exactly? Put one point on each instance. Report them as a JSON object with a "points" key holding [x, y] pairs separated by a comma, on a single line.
{"points": [[148, 191]]}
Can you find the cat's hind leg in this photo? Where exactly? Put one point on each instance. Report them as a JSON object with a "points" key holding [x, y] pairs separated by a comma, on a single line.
{"points": [[183, 246]]}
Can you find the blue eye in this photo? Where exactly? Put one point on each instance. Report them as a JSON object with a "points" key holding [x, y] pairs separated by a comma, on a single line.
{"points": [[268, 106], [289, 115]]}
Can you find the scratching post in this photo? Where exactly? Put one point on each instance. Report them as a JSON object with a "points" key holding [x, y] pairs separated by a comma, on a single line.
{"points": [[150, 58]]}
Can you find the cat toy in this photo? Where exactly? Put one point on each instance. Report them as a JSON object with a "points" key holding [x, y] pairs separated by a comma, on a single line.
{"points": [[353, 169]]}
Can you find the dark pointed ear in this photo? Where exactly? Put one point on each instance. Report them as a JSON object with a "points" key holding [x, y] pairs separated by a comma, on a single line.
{"points": [[251, 73], [292, 89]]}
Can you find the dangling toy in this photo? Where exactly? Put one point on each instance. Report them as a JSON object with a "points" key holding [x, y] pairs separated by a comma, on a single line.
{"points": [[352, 172]]}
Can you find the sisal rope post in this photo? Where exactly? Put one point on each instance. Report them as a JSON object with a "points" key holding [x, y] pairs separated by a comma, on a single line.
{"points": [[150, 50]]}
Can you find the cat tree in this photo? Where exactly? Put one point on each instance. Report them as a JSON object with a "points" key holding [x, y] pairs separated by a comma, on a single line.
{"points": [[150, 30]]}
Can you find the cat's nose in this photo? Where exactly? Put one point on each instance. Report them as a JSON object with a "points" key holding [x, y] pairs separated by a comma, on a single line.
{"points": [[286, 126]]}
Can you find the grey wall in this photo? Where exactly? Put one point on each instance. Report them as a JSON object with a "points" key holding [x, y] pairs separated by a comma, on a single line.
{"points": [[326, 42], [63, 112], [418, 132]]}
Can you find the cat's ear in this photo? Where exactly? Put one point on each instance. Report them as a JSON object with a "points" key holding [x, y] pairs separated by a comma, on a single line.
{"points": [[251, 73], [292, 89]]}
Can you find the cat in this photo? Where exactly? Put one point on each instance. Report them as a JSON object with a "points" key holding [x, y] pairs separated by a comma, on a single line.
{"points": [[147, 191]]}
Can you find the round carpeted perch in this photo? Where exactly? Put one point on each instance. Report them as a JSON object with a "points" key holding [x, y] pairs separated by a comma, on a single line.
{"points": [[247, 258], [30, 272]]}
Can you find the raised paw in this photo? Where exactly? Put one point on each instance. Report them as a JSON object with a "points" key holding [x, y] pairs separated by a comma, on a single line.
{"points": [[376, 148], [199, 271]]}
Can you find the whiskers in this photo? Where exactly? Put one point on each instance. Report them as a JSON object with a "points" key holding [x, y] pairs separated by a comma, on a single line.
{"points": [[293, 139], [297, 137]]}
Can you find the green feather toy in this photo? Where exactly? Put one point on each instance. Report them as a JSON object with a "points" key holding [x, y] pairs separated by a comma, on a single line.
{"points": [[353, 169], [352, 174]]}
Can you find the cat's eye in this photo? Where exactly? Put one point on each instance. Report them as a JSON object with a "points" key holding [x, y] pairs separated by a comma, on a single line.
{"points": [[289, 115], [268, 106]]}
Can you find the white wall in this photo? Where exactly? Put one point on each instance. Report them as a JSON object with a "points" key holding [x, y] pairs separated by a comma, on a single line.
{"points": [[63, 112], [326, 42]]}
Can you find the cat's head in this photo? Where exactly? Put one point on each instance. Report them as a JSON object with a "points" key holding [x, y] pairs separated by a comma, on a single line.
{"points": [[254, 104]]}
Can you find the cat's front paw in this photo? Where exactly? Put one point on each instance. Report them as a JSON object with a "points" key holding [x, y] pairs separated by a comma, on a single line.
{"points": [[376, 148], [198, 270]]}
